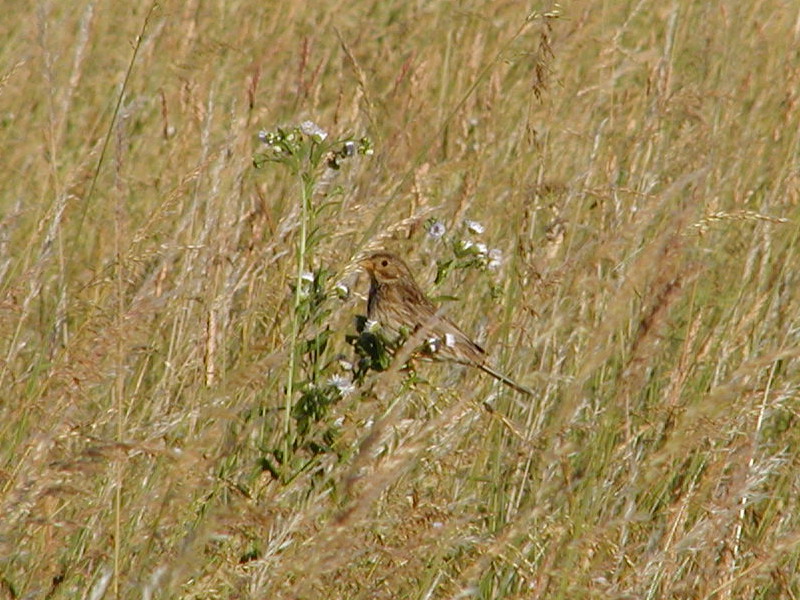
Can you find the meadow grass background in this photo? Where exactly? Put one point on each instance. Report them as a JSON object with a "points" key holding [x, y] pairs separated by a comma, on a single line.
{"points": [[637, 164]]}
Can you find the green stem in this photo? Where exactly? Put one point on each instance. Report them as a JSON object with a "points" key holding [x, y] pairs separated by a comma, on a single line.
{"points": [[298, 291]]}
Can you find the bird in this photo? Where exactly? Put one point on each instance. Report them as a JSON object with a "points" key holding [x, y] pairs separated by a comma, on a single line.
{"points": [[398, 304]]}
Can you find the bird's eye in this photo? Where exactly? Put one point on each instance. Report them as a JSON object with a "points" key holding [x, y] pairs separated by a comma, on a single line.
{"points": [[384, 263]]}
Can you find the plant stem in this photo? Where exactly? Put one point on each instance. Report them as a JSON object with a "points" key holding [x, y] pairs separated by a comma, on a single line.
{"points": [[301, 259]]}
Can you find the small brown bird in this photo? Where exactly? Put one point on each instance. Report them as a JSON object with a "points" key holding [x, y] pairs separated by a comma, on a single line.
{"points": [[396, 302]]}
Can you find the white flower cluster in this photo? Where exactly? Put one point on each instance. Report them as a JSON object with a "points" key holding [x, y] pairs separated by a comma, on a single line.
{"points": [[495, 257], [492, 258], [489, 258], [342, 384], [313, 130]]}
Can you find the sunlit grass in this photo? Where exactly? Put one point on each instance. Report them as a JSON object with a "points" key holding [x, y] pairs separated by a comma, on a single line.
{"points": [[634, 167]]}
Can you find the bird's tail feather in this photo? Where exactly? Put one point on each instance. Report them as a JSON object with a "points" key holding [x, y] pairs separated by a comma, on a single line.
{"points": [[505, 379]]}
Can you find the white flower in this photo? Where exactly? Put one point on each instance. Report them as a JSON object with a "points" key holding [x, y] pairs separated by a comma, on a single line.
{"points": [[263, 136], [449, 340], [482, 249], [495, 258], [437, 230], [433, 344], [313, 130], [342, 290], [349, 148], [343, 384], [371, 326], [466, 244], [474, 227], [306, 283]]}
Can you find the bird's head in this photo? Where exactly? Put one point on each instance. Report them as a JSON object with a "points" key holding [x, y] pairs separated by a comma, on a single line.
{"points": [[386, 268]]}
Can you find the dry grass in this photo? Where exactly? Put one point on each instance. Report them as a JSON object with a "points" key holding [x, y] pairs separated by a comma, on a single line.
{"points": [[635, 162]]}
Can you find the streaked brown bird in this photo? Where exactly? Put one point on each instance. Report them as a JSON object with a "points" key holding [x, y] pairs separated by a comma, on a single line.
{"points": [[399, 305]]}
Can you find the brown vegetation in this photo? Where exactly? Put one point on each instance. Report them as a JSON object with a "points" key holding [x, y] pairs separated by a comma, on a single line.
{"points": [[636, 164]]}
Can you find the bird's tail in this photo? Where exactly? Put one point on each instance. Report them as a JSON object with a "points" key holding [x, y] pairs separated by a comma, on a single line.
{"points": [[505, 379]]}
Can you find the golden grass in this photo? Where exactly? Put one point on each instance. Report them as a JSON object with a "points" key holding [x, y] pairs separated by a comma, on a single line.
{"points": [[635, 162]]}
